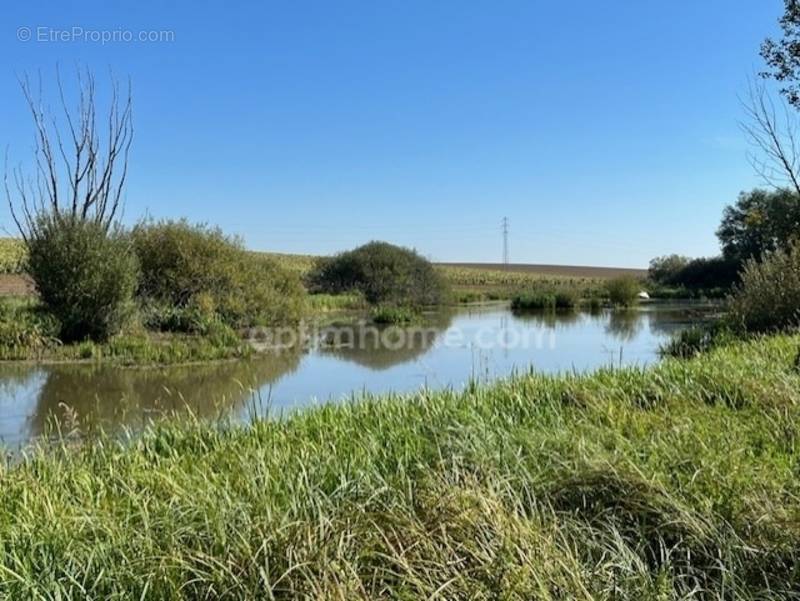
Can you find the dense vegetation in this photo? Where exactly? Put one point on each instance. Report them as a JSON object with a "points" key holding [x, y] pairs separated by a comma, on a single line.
{"points": [[383, 273], [768, 298], [627, 484], [623, 291], [564, 298], [85, 275], [712, 276], [760, 222], [193, 273], [111, 293]]}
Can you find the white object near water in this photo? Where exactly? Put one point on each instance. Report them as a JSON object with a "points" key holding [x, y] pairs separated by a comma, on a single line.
{"points": [[643, 295]]}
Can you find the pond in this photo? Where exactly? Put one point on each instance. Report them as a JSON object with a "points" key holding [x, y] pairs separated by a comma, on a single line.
{"points": [[338, 361]]}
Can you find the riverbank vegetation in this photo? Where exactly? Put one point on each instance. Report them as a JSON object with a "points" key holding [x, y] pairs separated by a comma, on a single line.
{"points": [[766, 301], [631, 483], [163, 291], [188, 291]]}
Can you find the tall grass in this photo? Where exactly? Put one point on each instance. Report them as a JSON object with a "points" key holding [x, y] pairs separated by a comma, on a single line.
{"points": [[671, 483], [553, 299]]}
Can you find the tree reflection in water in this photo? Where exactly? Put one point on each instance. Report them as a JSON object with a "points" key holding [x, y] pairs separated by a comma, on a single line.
{"points": [[381, 347], [113, 397]]}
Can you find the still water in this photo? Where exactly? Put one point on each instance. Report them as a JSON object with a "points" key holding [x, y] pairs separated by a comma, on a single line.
{"points": [[342, 362]]}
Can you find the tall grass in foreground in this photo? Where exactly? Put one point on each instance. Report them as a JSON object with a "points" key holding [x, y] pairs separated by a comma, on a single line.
{"points": [[675, 482]]}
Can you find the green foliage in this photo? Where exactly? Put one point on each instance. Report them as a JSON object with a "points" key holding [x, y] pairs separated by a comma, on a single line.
{"points": [[711, 276], [623, 291], [699, 339], [783, 55], [194, 272], [383, 273], [12, 255], [760, 222], [559, 299], [567, 298], [393, 315], [664, 270], [323, 303], [674, 482], [768, 297], [533, 301], [26, 330], [85, 275]]}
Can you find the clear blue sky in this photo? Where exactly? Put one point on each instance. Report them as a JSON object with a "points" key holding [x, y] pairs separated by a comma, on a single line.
{"points": [[607, 132]]}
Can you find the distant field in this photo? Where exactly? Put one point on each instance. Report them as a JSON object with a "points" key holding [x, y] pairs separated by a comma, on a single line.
{"points": [[470, 281], [569, 271]]}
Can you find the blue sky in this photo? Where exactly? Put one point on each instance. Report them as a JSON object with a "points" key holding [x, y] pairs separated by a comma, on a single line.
{"points": [[607, 132]]}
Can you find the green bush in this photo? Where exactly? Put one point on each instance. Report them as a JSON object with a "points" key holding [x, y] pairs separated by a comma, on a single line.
{"points": [[85, 275], [563, 298], [768, 297], [567, 299], [192, 273], [383, 273], [623, 291], [393, 315], [533, 301]]}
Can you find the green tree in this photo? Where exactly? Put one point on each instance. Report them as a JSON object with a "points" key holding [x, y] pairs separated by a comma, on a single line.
{"points": [[783, 55], [383, 273], [663, 270], [760, 221]]}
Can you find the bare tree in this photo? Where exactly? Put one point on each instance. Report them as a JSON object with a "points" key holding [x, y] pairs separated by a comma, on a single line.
{"points": [[773, 134], [81, 164]]}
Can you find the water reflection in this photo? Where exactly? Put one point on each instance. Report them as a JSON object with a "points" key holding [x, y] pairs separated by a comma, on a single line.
{"points": [[381, 347], [553, 319], [446, 350], [624, 324], [93, 396]]}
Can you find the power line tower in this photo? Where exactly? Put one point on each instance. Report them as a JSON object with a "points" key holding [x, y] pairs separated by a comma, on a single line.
{"points": [[505, 242]]}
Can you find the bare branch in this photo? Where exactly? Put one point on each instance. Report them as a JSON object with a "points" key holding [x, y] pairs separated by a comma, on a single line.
{"points": [[775, 157], [77, 175]]}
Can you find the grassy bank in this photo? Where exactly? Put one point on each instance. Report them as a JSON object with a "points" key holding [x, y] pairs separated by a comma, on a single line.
{"points": [[674, 482], [28, 333]]}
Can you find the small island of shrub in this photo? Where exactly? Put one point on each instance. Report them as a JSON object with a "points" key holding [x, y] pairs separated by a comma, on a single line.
{"points": [[384, 274], [564, 299]]}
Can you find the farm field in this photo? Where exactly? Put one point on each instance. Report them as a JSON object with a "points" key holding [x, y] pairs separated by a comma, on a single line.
{"points": [[567, 271], [470, 281]]}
